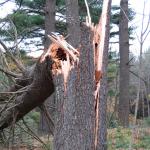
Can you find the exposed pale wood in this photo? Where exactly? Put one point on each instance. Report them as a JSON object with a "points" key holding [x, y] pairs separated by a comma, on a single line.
{"points": [[101, 41]]}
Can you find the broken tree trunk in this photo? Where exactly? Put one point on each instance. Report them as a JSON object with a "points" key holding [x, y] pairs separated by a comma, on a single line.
{"points": [[34, 95], [75, 108], [39, 85]]}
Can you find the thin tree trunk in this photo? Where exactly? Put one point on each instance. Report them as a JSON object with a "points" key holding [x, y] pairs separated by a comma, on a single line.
{"points": [[49, 20], [144, 33], [73, 24], [123, 108], [49, 27]]}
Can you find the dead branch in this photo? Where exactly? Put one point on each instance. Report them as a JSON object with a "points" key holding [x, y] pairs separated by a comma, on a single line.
{"points": [[33, 133], [6, 104], [17, 62], [4, 2], [88, 18], [63, 54], [143, 36], [41, 87], [9, 73], [48, 118], [137, 76], [30, 132], [16, 92], [64, 45]]}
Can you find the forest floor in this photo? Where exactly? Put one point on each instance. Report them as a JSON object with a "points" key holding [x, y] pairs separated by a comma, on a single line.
{"points": [[129, 139], [118, 139]]}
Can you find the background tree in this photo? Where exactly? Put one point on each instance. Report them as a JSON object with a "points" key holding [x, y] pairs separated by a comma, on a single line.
{"points": [[123, 108], [144, 33], [49, 10]]}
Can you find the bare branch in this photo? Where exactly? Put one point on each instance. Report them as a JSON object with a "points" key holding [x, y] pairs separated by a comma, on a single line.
{"points": [[17, 92], [16, 37], [6, 104], [130, 21], [48, 118], [40, 88], [146, 36], [88, 21], [67, 47], [137, 76], [147, 26], [18, 63], [4, 2], [142, 24], [9, 73], [30, 132]]}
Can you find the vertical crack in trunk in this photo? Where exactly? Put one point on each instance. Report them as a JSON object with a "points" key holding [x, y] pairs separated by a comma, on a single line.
{"points": [[98, 76], [96, 120]]}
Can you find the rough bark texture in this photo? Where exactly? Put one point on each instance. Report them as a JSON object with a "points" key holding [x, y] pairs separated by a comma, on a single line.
{"points": [[123, 109], [74, 128], [73, 24], [75, 107], [49, 27], [41, 87], [49, 20]]}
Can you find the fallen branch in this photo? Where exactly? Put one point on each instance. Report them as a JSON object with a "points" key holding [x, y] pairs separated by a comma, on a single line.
{"points": [[60, 56], [17, 62], [138, 76], [9, 73], [48, 118], [41, 87]]}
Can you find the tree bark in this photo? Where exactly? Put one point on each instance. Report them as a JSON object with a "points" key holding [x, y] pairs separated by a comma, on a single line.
{"points": [[41, 87], [75, 119], [73, 24], [49, 20], [75, 108], [49, 27], [123, 109]]}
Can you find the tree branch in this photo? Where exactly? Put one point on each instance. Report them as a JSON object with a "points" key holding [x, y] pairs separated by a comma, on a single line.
{"points": [[18, 64], [41, 87], [137, 76], [9, 73]]}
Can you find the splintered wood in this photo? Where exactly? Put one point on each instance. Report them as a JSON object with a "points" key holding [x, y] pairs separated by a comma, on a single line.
{"points": [[64, 56]]}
